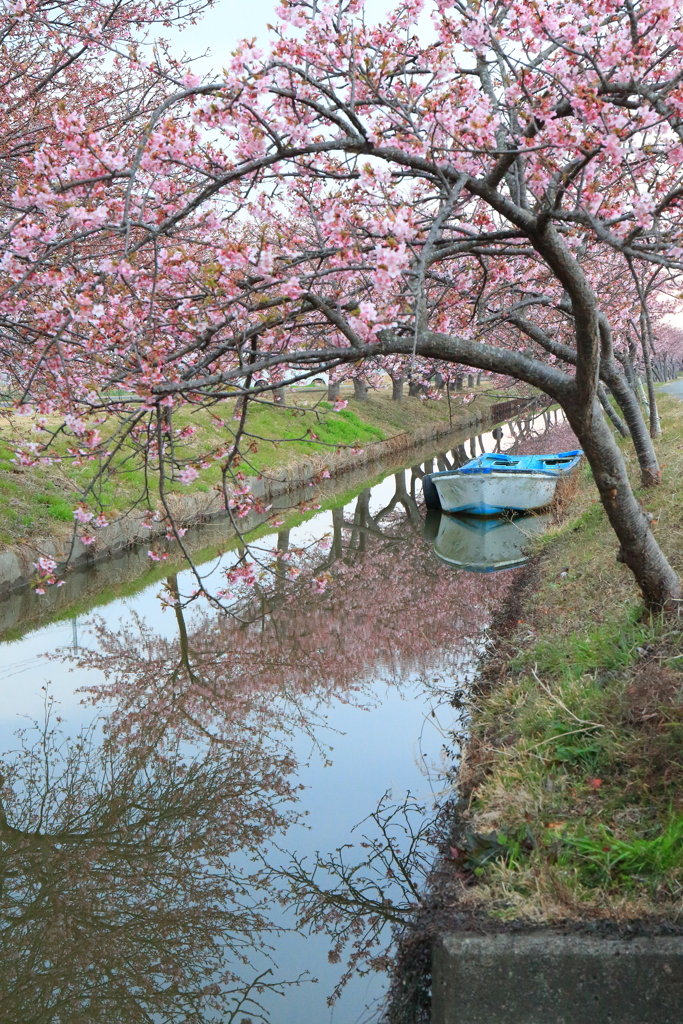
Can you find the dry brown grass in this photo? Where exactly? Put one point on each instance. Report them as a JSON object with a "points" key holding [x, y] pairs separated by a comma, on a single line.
{"points": [[576, 752]]}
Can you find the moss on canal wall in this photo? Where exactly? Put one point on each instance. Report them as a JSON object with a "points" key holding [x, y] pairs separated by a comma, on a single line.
{"points": [[571, 782]]}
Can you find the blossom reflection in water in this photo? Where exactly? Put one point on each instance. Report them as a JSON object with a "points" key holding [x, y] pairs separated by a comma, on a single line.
{"points": [[144, 858]]}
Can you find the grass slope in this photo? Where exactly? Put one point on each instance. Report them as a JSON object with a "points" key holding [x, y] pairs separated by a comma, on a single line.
{"points": [[39, 501], [573, 775]]}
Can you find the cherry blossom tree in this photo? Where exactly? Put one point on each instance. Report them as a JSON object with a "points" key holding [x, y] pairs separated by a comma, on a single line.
{"points": [[122, 893], [669, 355], [358, 193]]}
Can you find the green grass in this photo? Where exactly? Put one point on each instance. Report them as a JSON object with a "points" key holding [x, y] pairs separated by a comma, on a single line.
{"points": [[299, 433], [57, 507], [580, 746], [607, 647], [39, 501], [602, 859]]}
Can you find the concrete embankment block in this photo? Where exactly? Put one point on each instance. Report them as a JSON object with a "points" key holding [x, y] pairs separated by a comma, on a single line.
{"points": [[557, 979]]}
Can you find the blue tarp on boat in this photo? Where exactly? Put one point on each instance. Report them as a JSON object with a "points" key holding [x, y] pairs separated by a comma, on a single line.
{"points": [[553, 465]]}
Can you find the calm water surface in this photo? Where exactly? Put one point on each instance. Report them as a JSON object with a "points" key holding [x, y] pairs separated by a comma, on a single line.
{"points": [[179, 768]]}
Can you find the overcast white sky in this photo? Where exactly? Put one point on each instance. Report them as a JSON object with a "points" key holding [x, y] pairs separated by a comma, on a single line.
{"points": [[222, 27], [228, 21]]}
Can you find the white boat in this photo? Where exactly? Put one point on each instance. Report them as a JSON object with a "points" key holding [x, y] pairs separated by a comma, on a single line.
{"points": [[482, 545], [493, 483]]}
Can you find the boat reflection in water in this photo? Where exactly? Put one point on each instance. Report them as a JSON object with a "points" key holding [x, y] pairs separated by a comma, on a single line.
{"points": [[482, 545]]}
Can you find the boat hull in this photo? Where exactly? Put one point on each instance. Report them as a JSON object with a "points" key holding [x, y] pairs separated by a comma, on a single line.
{"points": [[489, 494], [484, 545]]}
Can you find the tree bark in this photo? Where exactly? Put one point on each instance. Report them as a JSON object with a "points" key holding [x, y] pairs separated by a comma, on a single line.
{"points": [[627, 401], [360, 519], [282, 565], [640, 390], [639, 550], [333, 390], [611, 412], [655, 426], [415, 475], [338, 532], [360, 390], [459, 456], [168, 428], [624, 393], [279, 396], [397, 388]]}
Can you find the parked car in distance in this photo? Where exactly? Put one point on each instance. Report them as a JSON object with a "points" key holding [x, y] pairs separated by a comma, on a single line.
{"points": [[319, 380]]}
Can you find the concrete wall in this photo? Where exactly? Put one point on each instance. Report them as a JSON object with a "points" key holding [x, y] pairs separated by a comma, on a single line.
{"points": [[550, 978]]}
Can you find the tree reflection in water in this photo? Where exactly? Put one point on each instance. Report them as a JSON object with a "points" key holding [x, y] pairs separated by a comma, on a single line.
{"points": [[121, 899]]}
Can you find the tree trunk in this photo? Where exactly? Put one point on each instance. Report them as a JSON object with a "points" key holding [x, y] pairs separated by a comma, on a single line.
{"points": [[282, 566], [360, 519], [279, 396], [167, 419], [459, 456], [415, 475], [333, 390], [655, 426], [397, 388], [360, 390], [627, 401], [338, 532], [611, 412], [640, 391], [639, 549], [414, 390]]}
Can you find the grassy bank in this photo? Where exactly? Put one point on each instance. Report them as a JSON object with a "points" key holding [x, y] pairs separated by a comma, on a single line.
{"points": [[112, 581], [572, 780], [39, 501]]}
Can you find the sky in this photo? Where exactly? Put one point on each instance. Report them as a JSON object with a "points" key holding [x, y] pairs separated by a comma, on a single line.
{"points": [[229, 21], [221, 28], [210, 42]]}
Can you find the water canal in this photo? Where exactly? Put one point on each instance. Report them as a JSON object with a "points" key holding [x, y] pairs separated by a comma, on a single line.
{"points": [[179, 781]]}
